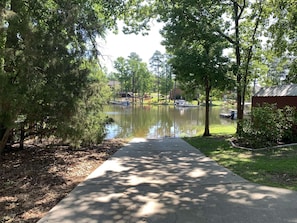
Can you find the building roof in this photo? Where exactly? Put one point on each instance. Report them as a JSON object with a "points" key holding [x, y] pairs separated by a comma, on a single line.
{"points": [[278, 91]]}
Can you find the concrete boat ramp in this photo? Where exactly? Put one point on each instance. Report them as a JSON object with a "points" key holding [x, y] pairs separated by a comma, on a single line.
{"points": [[169, 181]]}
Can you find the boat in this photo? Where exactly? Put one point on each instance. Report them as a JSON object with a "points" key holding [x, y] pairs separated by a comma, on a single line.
{"points": [[231, 115], [183, 103]]}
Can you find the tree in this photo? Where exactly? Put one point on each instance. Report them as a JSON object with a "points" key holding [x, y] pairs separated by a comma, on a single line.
{"points": [[283, 34], [122, 73], [239, 22], [160, 67], [167, 82], [134, 64], [197, 58], [133, 74], [141, 77], [156, 62], [87, 125], [43, 47]]}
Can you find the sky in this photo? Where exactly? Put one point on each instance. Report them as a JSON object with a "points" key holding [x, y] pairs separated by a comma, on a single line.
{"points": [[122, 45]]}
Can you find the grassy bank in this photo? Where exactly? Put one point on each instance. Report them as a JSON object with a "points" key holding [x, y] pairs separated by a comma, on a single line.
{"points": [[218, 130], [274, 167]]}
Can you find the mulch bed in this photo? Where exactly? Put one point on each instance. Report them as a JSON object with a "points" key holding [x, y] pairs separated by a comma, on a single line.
{"points": [[35, 179]]}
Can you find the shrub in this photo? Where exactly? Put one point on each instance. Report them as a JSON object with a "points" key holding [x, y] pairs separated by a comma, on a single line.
{"points": [[268, 126], [289, 127]]}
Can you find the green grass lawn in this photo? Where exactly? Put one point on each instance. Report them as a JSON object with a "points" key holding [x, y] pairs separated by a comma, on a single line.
{"points": [[274, 167], [218, 130]]}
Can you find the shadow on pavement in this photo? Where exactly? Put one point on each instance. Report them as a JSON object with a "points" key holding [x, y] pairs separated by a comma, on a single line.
{"points": [[167, 180]]}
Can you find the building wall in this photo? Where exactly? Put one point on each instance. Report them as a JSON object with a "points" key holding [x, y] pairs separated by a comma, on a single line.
{"points": [[279, 101]]}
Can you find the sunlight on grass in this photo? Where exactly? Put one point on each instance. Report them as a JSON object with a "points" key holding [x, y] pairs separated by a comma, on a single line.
{"points": [[229, 129], [223, 129], [275, 167], [217, 103]]}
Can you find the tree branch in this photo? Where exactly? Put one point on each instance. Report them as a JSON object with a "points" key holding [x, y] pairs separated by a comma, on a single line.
{"points": [[241, 7], [228, 38], [250, 49]]}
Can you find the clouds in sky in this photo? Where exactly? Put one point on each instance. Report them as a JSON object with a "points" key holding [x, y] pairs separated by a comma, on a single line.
{"points": [[122, 45]]}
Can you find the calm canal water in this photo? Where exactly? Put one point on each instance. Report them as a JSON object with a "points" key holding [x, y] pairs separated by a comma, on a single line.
{"points": [[151, 121]]}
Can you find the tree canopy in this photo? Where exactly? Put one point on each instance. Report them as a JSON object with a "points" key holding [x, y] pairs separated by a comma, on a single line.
{"points": [[48, 54], [283, 32], [133, 74], [160, 67], [246, 26], [197, 53], [44, 46]]}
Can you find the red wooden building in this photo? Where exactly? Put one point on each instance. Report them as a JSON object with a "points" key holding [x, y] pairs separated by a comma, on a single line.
{"points": [[281, 95]]}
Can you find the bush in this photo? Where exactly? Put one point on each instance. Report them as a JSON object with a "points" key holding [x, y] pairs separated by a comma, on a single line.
{"points": [[269, 126], [290, 124]]}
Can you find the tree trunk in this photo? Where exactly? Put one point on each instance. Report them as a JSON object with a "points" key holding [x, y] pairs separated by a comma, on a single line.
{"points": [[237, 15], [133, 89], [22, 136], [207, 98], [4, 138], [249, 58]]}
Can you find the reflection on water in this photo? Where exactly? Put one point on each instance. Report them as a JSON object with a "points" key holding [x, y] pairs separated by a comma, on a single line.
{"points": [[159, 121]]}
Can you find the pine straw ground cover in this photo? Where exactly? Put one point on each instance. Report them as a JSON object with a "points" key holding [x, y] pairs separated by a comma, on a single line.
{"points": [[35, 179]]}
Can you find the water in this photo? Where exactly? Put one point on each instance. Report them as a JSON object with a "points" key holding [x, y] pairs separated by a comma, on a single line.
{"points": [[150, 121]]}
